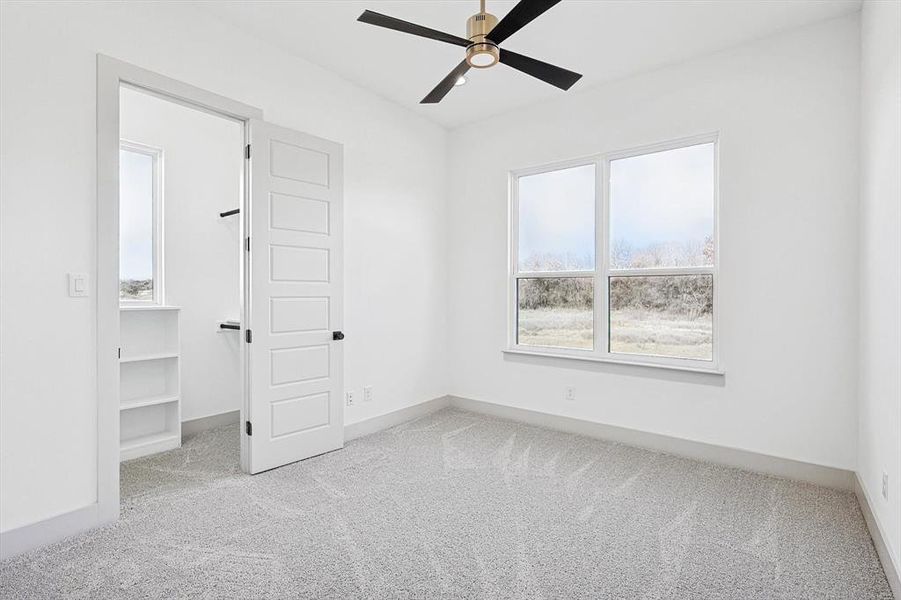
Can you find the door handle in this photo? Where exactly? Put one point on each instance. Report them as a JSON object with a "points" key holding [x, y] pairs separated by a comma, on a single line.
{"points": [[337, 335]]}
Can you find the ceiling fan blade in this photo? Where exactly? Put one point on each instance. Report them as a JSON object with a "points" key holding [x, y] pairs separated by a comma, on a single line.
{"points": [[374, 18], [446, 84], [519, 16], [557, 76]]}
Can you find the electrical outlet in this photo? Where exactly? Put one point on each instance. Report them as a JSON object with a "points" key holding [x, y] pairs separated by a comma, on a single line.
{"points": [[569, 393], [367, 393], [885, 485], [349, 398]]}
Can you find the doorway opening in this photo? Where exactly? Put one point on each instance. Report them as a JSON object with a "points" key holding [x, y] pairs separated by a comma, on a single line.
{"points": [[181, 186], [259, 200]]}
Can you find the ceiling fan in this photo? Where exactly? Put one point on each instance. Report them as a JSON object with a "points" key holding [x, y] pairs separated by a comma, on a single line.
{"points": [[484, 34]]}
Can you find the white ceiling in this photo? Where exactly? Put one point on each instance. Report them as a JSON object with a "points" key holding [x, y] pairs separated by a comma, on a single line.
{"points": [[602, 39]]}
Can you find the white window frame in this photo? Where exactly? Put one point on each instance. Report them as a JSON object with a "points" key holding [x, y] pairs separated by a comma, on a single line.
{"points": [[158, 284], [602, 271]]}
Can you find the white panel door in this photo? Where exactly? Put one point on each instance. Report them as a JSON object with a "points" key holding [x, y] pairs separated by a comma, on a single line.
{"points": [[295, 364]]}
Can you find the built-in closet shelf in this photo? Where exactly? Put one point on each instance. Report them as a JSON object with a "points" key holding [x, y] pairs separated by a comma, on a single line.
{"points": [[146, 357], [148, 401], [149, 380]]}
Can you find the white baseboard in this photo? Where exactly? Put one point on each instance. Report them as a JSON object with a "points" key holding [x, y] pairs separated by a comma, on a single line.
{"points": [[742, 459], [889, 563], [375, 424], [28, 537], [203, 423]]}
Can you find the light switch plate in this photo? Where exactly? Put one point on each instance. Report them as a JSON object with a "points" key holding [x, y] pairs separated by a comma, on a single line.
{"points": [[78, 285]]}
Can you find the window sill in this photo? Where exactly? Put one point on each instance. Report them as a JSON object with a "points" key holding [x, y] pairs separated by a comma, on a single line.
{"points": [[615, 361]]}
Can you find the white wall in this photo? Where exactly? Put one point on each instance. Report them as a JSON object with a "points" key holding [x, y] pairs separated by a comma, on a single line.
{"points": [[394, 223], [879, 448], [203, 162], [787, 109]]}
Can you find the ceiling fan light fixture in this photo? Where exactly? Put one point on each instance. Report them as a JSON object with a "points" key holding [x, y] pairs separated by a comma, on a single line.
{"points": [[482, 55]]}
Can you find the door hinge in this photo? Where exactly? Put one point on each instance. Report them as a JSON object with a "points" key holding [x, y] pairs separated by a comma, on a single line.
{"points": [[247, 244], [248, 336], [120, 352], [248, 428], [247, 151]]}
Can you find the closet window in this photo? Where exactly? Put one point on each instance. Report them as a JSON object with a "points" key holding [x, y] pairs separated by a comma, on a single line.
{"points": [[140, 230]]}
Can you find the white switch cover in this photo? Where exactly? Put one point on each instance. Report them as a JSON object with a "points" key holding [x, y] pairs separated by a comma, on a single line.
{"points": [[367, 393], [78, 285]]}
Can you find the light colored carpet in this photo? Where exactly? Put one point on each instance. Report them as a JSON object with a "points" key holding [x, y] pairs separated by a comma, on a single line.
{"points": [[460, 505]]}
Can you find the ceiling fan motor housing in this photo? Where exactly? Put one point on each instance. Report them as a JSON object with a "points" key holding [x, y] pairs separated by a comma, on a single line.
{"points": [[482, 52]]}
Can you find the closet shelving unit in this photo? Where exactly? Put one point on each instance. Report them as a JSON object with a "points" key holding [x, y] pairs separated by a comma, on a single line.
{"points": [[149, 380]]}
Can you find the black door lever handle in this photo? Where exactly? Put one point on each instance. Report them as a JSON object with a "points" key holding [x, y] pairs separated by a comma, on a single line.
{"points": [[337, 335]]}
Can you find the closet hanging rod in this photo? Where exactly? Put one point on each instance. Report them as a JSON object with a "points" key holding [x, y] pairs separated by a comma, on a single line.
{"points": [[229, 326], [229, 213]]}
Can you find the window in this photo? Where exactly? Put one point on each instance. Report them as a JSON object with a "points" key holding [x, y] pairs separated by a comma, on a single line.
{"points": [[140, 216], [614, 258], [555, 259]]}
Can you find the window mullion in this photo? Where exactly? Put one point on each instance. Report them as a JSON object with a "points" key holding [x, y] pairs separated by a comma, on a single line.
{"points": [[554, 274], [602, 261], [661, 271]]}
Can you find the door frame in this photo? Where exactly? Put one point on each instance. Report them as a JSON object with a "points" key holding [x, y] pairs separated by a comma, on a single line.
{"points": [[111, 75]]}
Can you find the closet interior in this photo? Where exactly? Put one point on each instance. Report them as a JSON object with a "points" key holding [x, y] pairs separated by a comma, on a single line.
{"points": [[180, 289]]}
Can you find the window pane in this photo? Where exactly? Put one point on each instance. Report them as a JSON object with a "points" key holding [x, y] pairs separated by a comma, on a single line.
{"points": [[556, 220], [556, 312], [661, 209], [662, 316], [135, 226]]}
